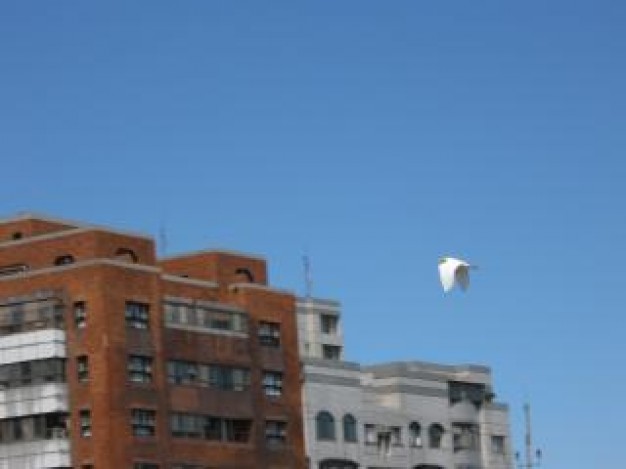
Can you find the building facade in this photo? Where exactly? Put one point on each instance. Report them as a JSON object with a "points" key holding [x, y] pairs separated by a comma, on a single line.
{"points": [[112, 358], [409, 415]]}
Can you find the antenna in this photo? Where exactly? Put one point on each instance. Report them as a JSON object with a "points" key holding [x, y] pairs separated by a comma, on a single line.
{"points": [[163, 238], [531, 461], [308, 282]]}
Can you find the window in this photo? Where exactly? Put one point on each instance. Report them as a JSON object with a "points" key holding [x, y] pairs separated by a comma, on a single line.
{"points": [[143, 422], [64, 260], [415, 437], [13, 269], [236, 430], [497, 444], [465, 436], [182, 372], [82, 368], [331, 352], [80, 314], [273, 383], [435, 434], [328, 324], [244, 275], [209, 319], [17, 235], [371, 436], [84, 419], [325, 424], [396, 436], [275, 432], [349, 428], [137, 315], [210, 427], [34, 427], [185, 425], [145, 465], [126, 255], [472, 392], [139, 369], [15, 375], [226, 378], [269, 334]]}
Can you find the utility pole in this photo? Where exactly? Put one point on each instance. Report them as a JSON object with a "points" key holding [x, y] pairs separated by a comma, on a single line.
{"points": [[531, 461]]}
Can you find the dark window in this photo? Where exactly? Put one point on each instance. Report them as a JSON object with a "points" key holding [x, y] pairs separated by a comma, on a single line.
{"points": [[84, 419], [82, 368], [64, 260], [275, 432], [331, 352], [139, 369], [371, 435], [182, 372], [435, 434], [13, 269], [223, 377], [137, 316], [17, 235], [80, 314], [465, 436], [338, 464], [15, 375], [269, 334], [186, 425], [396, 436], [497, 444], [210, 427], [273, 383], [349, 428], [328, 324], [125, 254], [244, 275], [33, 427], [325, 424], [145, 465], [143, 422], [415, 434]]}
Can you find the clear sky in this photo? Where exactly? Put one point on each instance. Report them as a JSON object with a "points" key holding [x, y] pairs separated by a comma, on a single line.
{"points": [[376, 137]]}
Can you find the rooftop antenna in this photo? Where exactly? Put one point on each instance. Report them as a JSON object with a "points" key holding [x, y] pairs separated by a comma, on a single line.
{"points": [[531, 460], [308, 282], [163, 239]]}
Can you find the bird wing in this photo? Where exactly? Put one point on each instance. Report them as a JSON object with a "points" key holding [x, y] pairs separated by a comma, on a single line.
{"points": [[447, 268], [462, 276]]}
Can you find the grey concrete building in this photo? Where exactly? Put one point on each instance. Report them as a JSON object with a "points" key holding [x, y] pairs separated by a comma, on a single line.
{"points": [[412, 415]]}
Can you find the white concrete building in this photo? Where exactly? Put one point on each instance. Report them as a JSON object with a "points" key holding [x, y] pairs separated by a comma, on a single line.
{"points": [[34, 402], [396, 415]]}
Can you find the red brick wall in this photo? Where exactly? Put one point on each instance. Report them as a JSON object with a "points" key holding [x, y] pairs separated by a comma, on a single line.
{"points": [[107, 341]]}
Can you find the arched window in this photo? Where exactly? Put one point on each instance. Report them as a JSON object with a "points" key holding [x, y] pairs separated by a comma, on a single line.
{"points": [[125, 254], [349, 428], [244, 275], [415, 434], [64, 260], [435, 433], [325, 426]]}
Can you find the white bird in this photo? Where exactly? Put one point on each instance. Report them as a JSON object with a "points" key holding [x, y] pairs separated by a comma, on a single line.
{"points": [[453, 271]]}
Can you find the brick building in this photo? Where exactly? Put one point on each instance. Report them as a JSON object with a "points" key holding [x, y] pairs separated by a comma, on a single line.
{"points": [[112, 358]]}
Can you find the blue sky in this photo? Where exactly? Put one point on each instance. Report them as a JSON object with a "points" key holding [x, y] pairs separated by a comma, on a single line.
{"points": [[376, 137]]}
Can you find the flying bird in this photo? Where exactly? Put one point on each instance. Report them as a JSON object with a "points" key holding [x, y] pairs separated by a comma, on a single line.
{"points": [[452, 271]]}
